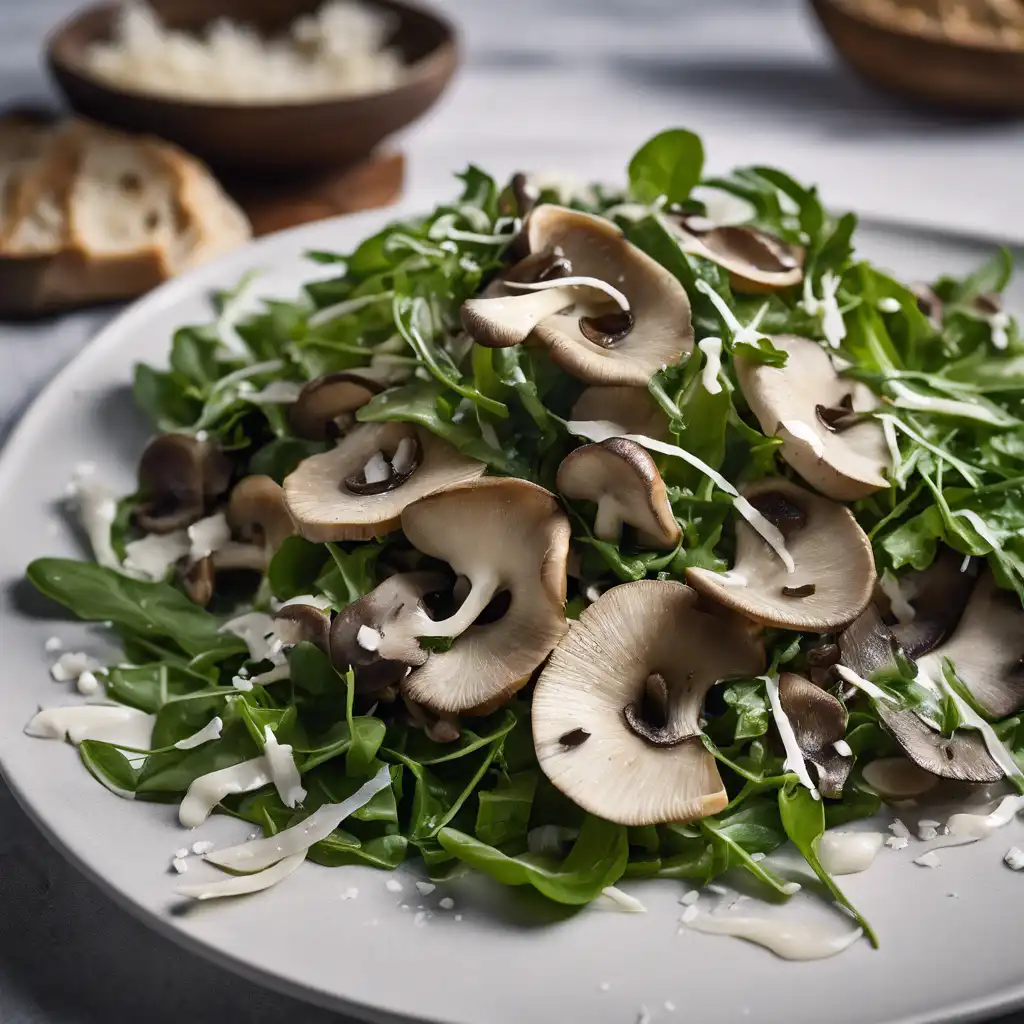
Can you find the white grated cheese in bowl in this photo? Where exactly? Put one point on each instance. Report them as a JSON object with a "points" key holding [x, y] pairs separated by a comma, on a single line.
{"points": [[337, 51]]}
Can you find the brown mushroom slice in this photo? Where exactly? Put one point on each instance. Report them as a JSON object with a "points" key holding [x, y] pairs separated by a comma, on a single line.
{"points": [[622, 479], [325, 406], [372, 637], [819, 722], [258, 513], [616, 711], [178, 476], [757, 262], [602, 341], [813, 409], [328, 495], [867, 646], [198, 581], [632, 409], [510, 539], [986, 649], [938, 596], [296, 623], [834, 570]]}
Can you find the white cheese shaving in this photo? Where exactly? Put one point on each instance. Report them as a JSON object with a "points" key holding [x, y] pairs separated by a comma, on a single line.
{"points": [[201, 846], [826, 308], [210, 731], [110, 723], [261, 853], [897, 842], [958, 464], [96, 506], [393, 885], [623, 900], [842, 748], [689, 898], [907, 398], [806, 433], [928, 860], [873, 691], [208, 790], [741, 335], [993, 744], [240, 885], [179, 865], [601, 430], [926, 832], [277, 392], [848, 853], [283, 772], [972, 827], [256, 631], [447, 903], [53, 644], [889, 304], [723, 208], [376, 470], [405, 455], [208, 535], [898, 600], [791, 940], [712, 349], [368, 638], [1014, 858], [154, 555], [794, 756], [425, 888], [899, 829], [315, 600], [980, 527], [1000, 325], [70, 666], [689, 914], [87, 683], [574, 282]]}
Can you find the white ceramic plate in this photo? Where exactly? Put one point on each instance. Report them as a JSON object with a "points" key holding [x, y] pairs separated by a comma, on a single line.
{"points": [[511, 957]]}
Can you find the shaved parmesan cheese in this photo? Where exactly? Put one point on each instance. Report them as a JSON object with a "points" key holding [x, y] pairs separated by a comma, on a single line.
{"points": [[179, 865], [873, 691], [791, 940], [980, 527], [972, 827], [315, 600], [712, 349], [804, 432], [601, 430], [376, 470], [154, 555], [1000, 325], [749, 335], [405, 454], [368, 638], [208, 535], [723, 208], [993, 744], [907, 398], [897, 842], [889, 304], [899, 829], [70, 666], [826, 308], [96, 506], [210, 731], [283, 772], [240, 885], [623, 900], [848, 853], [928, 860], [261, 853], [901, 607], [87, 683], [255, 630], [208, 790], [573, 282], [794, 756], [1014, 858], [110, 723], [842, 748]]}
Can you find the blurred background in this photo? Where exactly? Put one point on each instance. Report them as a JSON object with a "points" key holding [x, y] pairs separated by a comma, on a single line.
{"points": [[569, 88]]}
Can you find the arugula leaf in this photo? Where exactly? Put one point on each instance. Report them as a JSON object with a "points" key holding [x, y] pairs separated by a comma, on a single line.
{"points": [[97, 594], [669, 166], [109, 766], [597, 859], [295, 568], [353, 573], [504, 812]]}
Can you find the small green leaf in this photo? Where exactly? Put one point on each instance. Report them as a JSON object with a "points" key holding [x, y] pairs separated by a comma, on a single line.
{"points": [[668, 165]]}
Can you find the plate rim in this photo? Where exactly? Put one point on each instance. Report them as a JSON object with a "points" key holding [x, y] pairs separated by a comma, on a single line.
{"points": [[187, 285]]}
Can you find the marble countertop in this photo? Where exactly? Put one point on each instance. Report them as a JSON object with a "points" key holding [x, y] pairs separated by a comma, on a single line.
{"points": [[571, 87]]}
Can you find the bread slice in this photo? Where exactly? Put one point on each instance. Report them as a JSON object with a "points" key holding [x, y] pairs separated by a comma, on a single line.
{"points": [[98, 216]]}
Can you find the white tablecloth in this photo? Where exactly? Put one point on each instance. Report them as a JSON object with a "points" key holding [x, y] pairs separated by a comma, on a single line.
{"points": [[571, 86]]}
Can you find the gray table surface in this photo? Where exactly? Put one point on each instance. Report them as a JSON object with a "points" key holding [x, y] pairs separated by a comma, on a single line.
{"points": [[571, 86]]}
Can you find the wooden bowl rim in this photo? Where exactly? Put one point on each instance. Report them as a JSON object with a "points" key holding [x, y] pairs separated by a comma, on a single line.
{"points": [[437, 61], [934, 39]]}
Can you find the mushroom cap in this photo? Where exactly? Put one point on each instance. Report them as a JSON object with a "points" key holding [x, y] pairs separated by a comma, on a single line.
{"points": [[868, 646], [818, 721], [621, 476], [517, 532], [178, 474], [257, 512], [757, 262], [297, 623], [986, 649], [323, 400], [324, 509], [829, 549], [844, 464], [385, 609], [600, 668], [633, 409], [661, 330]]}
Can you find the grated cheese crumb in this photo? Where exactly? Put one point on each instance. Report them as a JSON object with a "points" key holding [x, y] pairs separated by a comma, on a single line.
{"points": [[897, 842], [53, 645], [926, 832], [928, 860], [790, 888], [899, 829], [689, 898], [759, 856], [201, 847], [1014, 858], [689, 914], [718, 890], [179, 865], [447, 903], [420, 920], [181, 853], [393, 885], [425, 888]]}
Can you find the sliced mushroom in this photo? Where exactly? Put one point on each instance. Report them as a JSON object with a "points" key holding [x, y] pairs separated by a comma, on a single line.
{"points": [[867, 646], [297, 623], [510, 539], [377, 635], [632, 409], [325, 406], [986, 649], [616, 711], [938, 596], [819, 722], [198, 581], [358, 490], [599, 341], [179, 476], [757, 262], [258, 514], [623, 480], [834, 567], [814, 410]]}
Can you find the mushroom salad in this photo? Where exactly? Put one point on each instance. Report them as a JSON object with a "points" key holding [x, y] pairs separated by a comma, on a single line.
{"points": [[570, 537]]}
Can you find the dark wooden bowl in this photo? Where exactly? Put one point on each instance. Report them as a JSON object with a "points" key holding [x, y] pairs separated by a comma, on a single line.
{"points": [[926, 68], [260, 139]]}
